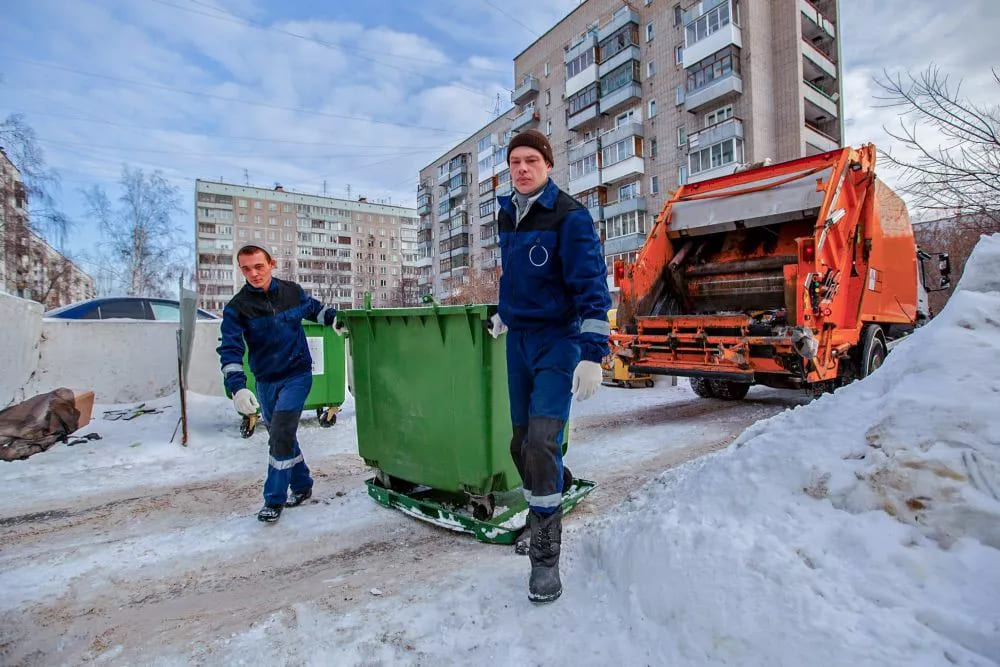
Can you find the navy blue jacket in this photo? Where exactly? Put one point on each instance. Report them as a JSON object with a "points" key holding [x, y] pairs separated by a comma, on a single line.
{"points": [[553, 270], [271, 324]]}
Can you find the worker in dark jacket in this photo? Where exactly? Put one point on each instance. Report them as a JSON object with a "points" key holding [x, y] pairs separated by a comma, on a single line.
{"points": [[267, 313], [554, 299]]}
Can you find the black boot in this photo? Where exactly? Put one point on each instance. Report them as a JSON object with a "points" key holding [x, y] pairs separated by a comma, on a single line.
{"points": [[546, 538], [269, 513], [297, 499], [524, 539]]}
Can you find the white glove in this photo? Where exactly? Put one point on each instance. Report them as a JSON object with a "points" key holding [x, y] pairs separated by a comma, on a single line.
{"points": [[339, 328], [586, 377], [245, 402], [496, 328]]}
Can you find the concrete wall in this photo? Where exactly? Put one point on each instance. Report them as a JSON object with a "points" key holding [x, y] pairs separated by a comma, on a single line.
{"points": [[20, 328], [122, 361]]}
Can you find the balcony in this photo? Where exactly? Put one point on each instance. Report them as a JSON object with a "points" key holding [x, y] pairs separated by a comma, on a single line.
{"points": [[818, 61], [587, 76], [527, 117], [458, 191], [620, 97], [452, 232], [631, 166], [819, 25], [820, 101], [713, 134], [490, 241], [526, 89], [727, 35], [630, 53], [623, 131], [728, 85], [819, 139], [623, 244], [443, 176], [621, 18], [583, 118], [424, 209], [589, 180], [623, 206]]}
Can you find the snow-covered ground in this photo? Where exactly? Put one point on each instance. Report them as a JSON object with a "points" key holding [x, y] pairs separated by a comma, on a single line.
{"points": [[860, 529]]}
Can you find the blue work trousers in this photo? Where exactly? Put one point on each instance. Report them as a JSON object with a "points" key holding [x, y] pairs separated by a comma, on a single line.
{"points": [[281, 404], [540, 365]]}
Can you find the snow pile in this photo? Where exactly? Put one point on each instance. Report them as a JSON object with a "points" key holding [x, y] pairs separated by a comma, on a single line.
{"points": [[864, 527]]}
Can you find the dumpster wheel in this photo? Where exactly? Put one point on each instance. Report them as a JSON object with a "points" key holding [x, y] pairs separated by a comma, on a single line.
{"points": [[327, 416], [482, 506]]}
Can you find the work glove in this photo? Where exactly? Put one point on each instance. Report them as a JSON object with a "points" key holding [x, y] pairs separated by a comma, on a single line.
{"points": [[339, 328], [245, 402], [496, 326], [586, 377]]}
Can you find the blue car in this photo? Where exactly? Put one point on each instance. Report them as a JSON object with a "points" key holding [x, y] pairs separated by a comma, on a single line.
{"points": [[131, 307]]}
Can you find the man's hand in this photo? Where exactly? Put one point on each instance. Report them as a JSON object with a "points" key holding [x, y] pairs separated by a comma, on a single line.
{"points": [[339, 327], [496, 327], [245, 402], [586, 377]]}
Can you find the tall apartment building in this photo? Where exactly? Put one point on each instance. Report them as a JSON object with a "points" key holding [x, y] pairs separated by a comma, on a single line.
{"points": [[29, 267], [638, 98], [337, 249]]}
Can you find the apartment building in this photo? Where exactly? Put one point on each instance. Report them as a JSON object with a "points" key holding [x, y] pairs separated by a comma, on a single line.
{"points": [[638, 98], [29, 267], [337, 249]]}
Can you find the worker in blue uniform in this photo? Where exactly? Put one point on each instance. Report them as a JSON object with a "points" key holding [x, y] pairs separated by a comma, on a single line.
{"points": [[553, 305], [267, 313]]}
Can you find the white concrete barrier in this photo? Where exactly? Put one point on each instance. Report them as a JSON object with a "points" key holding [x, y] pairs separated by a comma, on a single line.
{"points": [[20, 329]]}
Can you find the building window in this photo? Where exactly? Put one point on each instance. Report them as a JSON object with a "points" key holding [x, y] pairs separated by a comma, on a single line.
{"points": [[487, 207], [243, 233], [257, 205], [583, 99], [548, 127], [649, 32], [679, 54], [619, 41], [620, 77], [257, 219], [243, 203], [651, 111], [628, 223], [679, 95], [678, 15], [707, 23], [548, 97], [717, 155], [719, 115], [580, 63], [682, 175], [485, 143], [618, 151], [272, 221], [681, 135], [272, 206], [652, 147], [628, 191], [654, 185], [243, 217], [650, 68], [581, 168], [548, 69]]}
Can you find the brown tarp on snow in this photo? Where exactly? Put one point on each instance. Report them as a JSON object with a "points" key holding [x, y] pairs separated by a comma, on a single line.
{"points": [[36, 424]]}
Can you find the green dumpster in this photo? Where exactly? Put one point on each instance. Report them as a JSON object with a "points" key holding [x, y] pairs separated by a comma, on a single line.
{"points": [[327, 393], [430, 390]]}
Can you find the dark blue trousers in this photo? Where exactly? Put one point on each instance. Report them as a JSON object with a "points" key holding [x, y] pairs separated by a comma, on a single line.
{"points": [[281, 404], [540, 365]]}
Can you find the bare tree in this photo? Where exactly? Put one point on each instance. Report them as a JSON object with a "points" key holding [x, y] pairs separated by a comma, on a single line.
{"points": [[479, 285], [141, 242], [19, 141], [959, 175]]}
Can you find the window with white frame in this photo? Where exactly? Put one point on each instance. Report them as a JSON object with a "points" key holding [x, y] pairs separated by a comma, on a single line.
{"points": [[679, 54], [633, 222], [651, 111], [709, 22], [681, 135], [618, 151], [649, 32], [654, 185], [582, 167], [243, 203], [548, 97], [548, 127], [682, 175], [678, 15], [548, 69], [717, 155], [628, 191], [719, 115], [650, 68], [679, 95]]}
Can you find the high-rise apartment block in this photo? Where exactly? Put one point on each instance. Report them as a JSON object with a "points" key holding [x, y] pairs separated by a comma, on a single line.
{"points": [[638, 98], [337, 249]]}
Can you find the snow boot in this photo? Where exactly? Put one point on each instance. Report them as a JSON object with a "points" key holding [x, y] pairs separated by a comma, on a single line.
{"points": [[269, 513], [297, 499], [521, 544], [546, 539]]}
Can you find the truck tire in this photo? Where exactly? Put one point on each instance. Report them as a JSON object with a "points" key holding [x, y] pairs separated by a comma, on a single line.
{"points": [[728, 390], [873, 350], [701, 387]]}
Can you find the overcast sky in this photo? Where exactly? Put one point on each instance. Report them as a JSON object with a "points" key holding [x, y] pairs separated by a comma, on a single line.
{"points": [[358, 94]]}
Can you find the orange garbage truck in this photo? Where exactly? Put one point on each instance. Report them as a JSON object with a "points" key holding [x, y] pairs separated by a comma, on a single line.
{"points": [[793, 275]]}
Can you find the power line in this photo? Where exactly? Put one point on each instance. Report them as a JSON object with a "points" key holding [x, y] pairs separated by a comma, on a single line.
{"points": [[230, 99], [354, 52], [512, 18]]}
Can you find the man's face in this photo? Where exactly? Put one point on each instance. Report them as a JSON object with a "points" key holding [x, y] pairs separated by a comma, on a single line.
{"points": [[256, 268], [528, 169]]}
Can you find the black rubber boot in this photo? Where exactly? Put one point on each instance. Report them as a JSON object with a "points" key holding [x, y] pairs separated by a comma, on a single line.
{"points": [[297, 499], [524, 539], [269, 513], [543, 551]]}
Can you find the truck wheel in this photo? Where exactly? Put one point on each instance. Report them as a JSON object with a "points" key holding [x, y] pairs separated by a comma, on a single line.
{"points": [[728, 390], [701, 387], [873, 352]]}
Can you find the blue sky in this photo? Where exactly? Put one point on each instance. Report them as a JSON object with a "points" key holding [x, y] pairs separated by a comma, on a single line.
{"points": [[356, 94]]}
